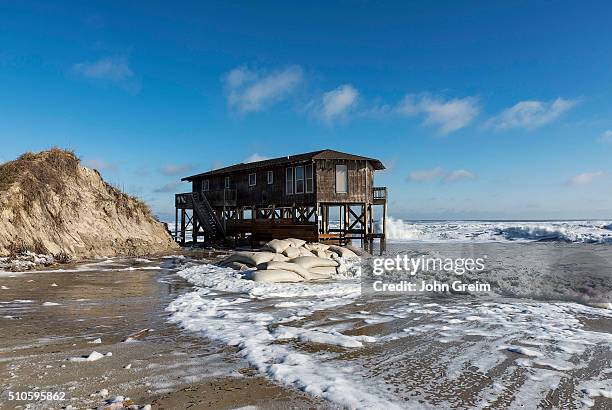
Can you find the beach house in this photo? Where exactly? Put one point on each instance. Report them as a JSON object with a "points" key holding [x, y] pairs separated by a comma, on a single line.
{"points": [[323, 195]]}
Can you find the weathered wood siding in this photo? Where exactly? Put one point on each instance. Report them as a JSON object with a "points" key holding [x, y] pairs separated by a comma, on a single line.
{"points": [[262, 194], [360, 185], [360, 181]]}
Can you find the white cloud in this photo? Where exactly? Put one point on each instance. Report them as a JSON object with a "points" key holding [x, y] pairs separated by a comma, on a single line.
{"points": [[458, 175], [531, 114], [254, 158], [424, 175], [239, 76], [99, 164], [584, 179], [447, 115], [335, 103], [607, 136], [249, 91], [110, 69], [176, 169]]}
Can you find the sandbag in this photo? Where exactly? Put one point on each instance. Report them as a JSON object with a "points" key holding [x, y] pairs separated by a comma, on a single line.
{"points": [[279, 257], [323, 254], [357, 251], [323, 270], [304, 252], [315, 246], [277, 245], [308, 262], [229, 263], [236, 265], [318, 276], [276, 276], [292, 252], [296, 243], [342, 252], [292, 267], [250, 258]]}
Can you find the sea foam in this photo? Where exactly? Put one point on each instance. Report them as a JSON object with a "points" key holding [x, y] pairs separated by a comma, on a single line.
{"points": [[326, 340], [484, 231]]}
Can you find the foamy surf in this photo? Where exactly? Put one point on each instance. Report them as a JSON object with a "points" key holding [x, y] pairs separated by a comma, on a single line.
{"points": [[399, 352], [235, 311], [489, 231]]}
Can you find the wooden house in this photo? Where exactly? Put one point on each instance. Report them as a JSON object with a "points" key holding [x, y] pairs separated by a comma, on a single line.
{"points": [[317, 196]]}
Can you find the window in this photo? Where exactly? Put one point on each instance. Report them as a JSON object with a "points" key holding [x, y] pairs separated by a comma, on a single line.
{"points": [[205, 185], [341, 179], [252, 179], [226, 182], [299, 179], [270, 177], [289, 181], [309, 179]]}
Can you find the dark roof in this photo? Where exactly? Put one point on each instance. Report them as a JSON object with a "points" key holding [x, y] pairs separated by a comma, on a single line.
{"points": [[322, 154]]}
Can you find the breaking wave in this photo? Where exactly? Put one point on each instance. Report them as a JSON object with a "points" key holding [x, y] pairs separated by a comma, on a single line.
{"points": [[489, 231]]}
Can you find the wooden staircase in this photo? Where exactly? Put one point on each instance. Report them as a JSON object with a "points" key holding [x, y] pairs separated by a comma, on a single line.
{"points": [[208, 220]]}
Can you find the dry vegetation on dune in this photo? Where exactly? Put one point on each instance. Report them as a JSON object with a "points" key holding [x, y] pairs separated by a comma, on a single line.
{"points": [[41, 169], [50, 203]]}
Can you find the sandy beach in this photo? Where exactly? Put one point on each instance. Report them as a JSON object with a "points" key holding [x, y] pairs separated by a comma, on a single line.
{"points": [[49, 318], [177, 332]]}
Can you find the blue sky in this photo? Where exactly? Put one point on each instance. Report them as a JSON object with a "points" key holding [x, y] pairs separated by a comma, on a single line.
{"points": [[480, 110]]}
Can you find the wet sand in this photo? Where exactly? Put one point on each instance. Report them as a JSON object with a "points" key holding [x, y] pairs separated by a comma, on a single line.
{"points": [[49, 318]]}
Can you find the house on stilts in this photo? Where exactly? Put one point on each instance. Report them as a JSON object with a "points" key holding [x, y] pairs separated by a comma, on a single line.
{"points": [[319, 196]]}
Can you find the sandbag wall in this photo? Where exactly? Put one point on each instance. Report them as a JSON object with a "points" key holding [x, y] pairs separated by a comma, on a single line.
{"points": [[292, 260]]}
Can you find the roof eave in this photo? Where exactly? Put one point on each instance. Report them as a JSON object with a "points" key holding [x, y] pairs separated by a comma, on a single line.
{"points": [[378, 166], [306, 157]]}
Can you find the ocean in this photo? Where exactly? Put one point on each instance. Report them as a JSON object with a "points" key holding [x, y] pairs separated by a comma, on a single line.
{"points": [[540, 337]]}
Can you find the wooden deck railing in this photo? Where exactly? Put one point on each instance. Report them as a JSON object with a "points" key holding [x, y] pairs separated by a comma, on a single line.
{"points": [[184, 200], [380, 193], [228, 197]]}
